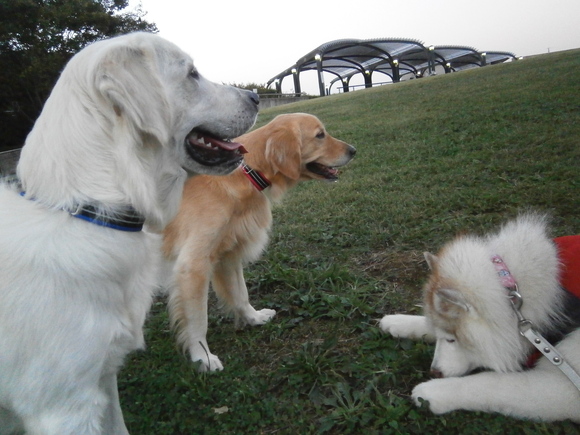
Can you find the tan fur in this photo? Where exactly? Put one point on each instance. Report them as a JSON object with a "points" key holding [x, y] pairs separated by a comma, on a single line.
{"points": [[223, 224], [444, 311]]}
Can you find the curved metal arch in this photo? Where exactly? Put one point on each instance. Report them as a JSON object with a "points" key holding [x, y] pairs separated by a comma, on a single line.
{"points": [[313, 68], [403, 57], [337, 71], [396, 64]]}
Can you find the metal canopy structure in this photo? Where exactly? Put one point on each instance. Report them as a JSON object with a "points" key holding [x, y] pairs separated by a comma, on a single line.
{"points": [[394, 59]]}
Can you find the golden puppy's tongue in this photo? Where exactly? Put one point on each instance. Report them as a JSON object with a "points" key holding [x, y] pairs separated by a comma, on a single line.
{"points": [[327, 172]]}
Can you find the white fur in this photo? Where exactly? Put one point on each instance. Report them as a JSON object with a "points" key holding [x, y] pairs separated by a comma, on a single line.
{"points": [[467, 309], [407, 326], [74, 295], [543, 393]]}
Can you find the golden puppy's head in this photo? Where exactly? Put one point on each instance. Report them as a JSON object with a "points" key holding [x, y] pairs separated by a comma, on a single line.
{"points": [[298, 147]]}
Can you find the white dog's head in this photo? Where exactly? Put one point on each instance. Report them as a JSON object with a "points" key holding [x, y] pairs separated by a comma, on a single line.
{"points": [[156, 85], [469, 308], [128, 118], [470, 314]]}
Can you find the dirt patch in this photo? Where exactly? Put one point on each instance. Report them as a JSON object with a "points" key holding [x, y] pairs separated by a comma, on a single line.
{"points": [[407, 267]]}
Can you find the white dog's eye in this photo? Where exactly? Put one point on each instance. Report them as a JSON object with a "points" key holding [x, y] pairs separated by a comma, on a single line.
{"points": [[193, 73], [450, 340]]}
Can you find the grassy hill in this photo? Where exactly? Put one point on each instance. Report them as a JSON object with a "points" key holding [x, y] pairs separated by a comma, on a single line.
{"points": [[436, 156]]}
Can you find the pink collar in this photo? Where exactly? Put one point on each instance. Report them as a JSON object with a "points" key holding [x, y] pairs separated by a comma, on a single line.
{"points": [[505, 276]]}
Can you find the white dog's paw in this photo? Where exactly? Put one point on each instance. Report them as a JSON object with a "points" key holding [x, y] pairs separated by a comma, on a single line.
{"points": [[405, 326], [208, 361], [260, 317], [398, 325], [442, 394]]}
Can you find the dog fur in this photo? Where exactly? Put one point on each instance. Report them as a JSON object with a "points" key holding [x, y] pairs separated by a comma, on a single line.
{"points": [[468, 314], [223, 224], [74, 295]]}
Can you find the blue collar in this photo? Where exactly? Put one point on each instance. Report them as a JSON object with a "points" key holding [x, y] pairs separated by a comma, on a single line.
{"points": [[126, 219]]}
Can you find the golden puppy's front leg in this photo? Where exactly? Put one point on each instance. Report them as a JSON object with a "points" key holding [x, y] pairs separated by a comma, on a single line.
{"points": [[229, 284], [188, 309]]}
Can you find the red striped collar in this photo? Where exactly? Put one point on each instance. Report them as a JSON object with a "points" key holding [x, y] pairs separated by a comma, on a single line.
{"points": [[258, 179]]}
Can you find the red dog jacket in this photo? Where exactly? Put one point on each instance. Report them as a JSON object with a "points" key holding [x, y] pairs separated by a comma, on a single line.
{"points": [[569, 255]]}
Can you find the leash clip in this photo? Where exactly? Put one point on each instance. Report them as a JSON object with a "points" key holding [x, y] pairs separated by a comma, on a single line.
{"points": [[516, 299]]}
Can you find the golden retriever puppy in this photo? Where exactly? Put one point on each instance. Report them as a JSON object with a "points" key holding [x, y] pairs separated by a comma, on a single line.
{"points": [[223, 223]]}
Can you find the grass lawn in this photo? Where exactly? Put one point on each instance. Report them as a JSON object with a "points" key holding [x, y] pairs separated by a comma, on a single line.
{"points": [[436, 156]]}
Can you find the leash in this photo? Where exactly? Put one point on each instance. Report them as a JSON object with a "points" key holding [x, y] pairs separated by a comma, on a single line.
{"points": [[127, 219], [525, 326], [258, 179]]}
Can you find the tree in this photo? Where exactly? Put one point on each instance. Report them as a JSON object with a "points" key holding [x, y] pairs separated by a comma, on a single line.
{"points": [[37, 38]]}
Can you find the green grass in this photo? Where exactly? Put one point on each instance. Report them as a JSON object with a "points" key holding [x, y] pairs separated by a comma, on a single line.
{"points": [[436, 156]]}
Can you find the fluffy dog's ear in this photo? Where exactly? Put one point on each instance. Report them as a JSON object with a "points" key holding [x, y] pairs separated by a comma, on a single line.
{"points": [[129, 80], [283, 153], [450, 303], [431, 260]]}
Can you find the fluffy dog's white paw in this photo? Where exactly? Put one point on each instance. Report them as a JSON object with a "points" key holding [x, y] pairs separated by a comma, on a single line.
{"points": [[441, 394], [405, 326], [260, 317], [397, 325]]}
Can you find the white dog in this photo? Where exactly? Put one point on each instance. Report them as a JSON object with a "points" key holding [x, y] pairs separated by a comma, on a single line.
{"points": [[468, 311], [127, 120]]}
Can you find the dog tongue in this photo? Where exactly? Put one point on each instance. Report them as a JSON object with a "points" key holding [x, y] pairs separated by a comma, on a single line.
{"points": [[225, 145]]}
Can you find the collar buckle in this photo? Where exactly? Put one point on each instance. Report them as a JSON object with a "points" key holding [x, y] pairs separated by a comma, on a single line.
{"points": [[258, 179]]}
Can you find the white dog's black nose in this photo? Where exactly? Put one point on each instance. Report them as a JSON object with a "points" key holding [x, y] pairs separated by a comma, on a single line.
{"points": [[254, 97], [435, 373]]}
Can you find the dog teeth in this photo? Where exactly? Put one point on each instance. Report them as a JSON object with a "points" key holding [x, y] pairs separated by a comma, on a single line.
{"points": [[206, 142], [201, 141]]}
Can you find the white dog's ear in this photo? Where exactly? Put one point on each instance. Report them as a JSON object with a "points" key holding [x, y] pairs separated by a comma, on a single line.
{"points": [[450, 303], [431, 260], [283, 153], [129, 80]]}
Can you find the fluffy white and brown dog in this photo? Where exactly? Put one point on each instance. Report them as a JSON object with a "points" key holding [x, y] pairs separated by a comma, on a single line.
{"points": [[224, 222], [109, 153], [475, 314]]}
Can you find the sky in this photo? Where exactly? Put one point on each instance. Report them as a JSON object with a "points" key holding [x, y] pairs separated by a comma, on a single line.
{"points": [[251, 41]]}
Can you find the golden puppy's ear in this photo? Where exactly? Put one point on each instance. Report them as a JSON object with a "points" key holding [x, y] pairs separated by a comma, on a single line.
{"points": [[129, 80], [283, 153]]}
